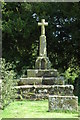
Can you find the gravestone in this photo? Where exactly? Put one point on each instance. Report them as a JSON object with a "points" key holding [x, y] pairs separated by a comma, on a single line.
{"points": [[45, 82]]}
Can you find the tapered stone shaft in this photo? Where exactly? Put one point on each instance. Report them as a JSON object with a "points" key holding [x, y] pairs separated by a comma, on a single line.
{"points": [[42, 49], [42, 61]]}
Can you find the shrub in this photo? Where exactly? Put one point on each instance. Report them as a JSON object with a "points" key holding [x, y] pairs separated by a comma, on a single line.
{"points": [[71, 74], [8, 82]]}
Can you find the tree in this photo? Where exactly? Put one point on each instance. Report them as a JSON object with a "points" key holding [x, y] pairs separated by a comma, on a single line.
{"points": [[8, 82]]}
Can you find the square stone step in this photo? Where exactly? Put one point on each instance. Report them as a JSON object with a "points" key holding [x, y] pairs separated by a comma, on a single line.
{"points": [[62, 90], [57, 102], [42, 73], [41, 80], [30, 81]]}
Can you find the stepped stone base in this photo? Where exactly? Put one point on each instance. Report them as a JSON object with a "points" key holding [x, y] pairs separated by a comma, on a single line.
{"points": [[43, 91], [42, 77], [63, 103]]}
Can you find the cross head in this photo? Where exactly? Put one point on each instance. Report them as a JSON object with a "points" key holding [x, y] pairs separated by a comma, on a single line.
{"points": [[43, 24]]}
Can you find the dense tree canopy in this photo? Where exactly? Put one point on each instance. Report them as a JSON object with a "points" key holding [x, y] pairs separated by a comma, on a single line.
{"points": [[21, 33]]}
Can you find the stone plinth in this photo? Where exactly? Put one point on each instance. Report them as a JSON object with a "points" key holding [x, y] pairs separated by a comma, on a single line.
{"points": [[63, 103], [43, 91], [42, 63]]}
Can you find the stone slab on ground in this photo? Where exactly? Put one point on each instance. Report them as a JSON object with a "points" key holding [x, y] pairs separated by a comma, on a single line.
{"points": [[63, 103]]}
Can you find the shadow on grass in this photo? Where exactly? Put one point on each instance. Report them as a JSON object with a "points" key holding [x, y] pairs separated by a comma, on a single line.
{"points": [[63, 111]]}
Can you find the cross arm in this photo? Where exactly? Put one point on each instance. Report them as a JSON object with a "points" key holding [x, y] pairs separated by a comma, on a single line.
{"points": [[39, 24]]}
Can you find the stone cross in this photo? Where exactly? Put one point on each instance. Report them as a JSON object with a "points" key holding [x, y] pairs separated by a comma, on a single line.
{"points": [[43, 24], [42, 61], [42, 48]]}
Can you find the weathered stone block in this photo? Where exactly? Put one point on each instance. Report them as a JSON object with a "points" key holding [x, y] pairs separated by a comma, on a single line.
{"points": [[52, 81], [31, 81], [42, 73], [62, 90], [42, 63], [63, 103]]}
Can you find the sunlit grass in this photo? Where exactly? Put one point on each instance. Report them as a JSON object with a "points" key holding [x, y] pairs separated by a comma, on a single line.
{"points": [[33, 109]]}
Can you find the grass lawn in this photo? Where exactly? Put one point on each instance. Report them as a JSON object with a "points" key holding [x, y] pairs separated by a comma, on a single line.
{"points": [[0, 114], [33, 109]]}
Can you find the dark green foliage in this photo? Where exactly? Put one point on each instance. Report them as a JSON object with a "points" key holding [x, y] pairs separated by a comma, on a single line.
{"points": [[72, 76], [77, 87], [8, 82], [72, 72]]}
